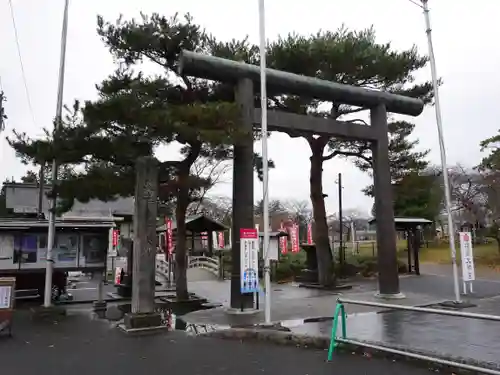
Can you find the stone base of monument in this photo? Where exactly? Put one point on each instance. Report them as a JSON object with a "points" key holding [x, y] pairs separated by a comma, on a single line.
{"points": [[142, 323], [47, 313], [99, 308], [182, 306], [385, 296], [307, 276], [244, 311]]}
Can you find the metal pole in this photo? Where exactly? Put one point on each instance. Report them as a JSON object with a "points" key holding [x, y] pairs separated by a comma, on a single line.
{"points": [[405, 353], [52, 215], [451, 231], [341, 222], [388, 306], [265, 170]]}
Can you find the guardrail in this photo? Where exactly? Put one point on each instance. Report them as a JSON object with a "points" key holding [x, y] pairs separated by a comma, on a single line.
{"points": [[207, 263], [340, 312]]}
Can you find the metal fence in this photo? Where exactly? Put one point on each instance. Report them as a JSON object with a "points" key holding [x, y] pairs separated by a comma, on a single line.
{"points": [[340, 313]]}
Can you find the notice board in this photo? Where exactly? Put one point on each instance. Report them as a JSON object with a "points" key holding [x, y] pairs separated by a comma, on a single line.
{"points": [[7, 297]]}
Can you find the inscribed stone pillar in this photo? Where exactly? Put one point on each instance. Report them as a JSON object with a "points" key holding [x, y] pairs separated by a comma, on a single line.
{"points": [[242, 189], [144, 258], [388, 277]]}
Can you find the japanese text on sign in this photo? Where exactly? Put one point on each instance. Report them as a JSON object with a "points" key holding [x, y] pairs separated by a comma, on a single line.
{"points": [[5, 297], [249, 264], [168, 237], [466, 252], [283, 240], [294, 235]]}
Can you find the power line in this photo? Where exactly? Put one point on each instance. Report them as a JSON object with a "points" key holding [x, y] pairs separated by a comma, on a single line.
{"points": [[28, 97], [2, 111], [415, 3]]}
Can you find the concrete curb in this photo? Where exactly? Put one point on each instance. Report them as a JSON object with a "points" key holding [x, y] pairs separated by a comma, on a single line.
{"points": [[322, 343]]}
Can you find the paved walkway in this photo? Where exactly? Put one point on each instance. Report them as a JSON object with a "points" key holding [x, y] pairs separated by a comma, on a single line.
{"points": [[447, 336], [79, 346]]}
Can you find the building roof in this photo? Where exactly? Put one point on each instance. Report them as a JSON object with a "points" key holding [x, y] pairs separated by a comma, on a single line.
{"points": [[23, 198], [403, 223], [197, 224]]}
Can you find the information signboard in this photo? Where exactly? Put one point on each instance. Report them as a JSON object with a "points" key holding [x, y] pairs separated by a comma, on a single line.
{"points": [[7, 294], [466, 252], [249, 263]]}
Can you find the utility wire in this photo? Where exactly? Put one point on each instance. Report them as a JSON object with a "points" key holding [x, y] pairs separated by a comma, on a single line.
{"points": [[28, 97], [2, 110], [415, 3]]}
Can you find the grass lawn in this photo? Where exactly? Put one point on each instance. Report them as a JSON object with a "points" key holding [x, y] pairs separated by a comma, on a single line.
{"points": [[484, 255]]}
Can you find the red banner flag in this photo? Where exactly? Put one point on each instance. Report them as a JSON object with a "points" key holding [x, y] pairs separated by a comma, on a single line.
{"points": [[168, 236], [283, 241], [294, 234], [309, 234], [116, 234], [221, 240]]}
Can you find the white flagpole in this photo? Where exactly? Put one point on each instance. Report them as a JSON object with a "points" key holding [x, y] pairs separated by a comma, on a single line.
{"points": [[265, 167], [451, 230], [52, 215]]}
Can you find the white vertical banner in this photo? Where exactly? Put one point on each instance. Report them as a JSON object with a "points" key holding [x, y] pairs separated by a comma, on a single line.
{"points": [[215, 238], [467, 255], [466, 251], [249, 266]]}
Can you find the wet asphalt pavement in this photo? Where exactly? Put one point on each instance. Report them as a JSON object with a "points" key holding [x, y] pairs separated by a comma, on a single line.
{"points": [[79, 346], [434, 334], [443, 336]]}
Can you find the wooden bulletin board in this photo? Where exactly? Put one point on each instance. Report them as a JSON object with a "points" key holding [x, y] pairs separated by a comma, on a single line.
{"points": [[7, 298]]}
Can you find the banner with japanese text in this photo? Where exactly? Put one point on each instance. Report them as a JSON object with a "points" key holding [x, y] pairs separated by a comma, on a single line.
{"points": [[309, 234], [168, 236], [294, 236], [220, 238], [283, 241]]}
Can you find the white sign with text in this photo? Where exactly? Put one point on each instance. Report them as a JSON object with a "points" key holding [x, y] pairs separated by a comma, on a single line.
{"points": [[249, 264], [467, 254], [5, 297]]}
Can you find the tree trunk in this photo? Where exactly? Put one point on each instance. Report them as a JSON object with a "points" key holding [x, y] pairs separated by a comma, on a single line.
{"points": [[183, 200], [320, 228], [181, 287], [498, 243]]}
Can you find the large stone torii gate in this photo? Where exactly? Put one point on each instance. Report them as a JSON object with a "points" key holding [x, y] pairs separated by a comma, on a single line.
{"points": [[244, 76]]}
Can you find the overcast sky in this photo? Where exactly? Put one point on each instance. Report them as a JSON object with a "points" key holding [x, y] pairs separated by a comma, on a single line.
{"points": [[468, 60]]}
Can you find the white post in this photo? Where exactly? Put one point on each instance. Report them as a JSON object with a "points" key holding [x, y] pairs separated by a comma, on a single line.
{"points": [[353, 238], [451, 231], [265, 170], [53, 202]]}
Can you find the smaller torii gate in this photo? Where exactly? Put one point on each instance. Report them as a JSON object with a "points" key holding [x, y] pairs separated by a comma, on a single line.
{"points": [[244, 77]]}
